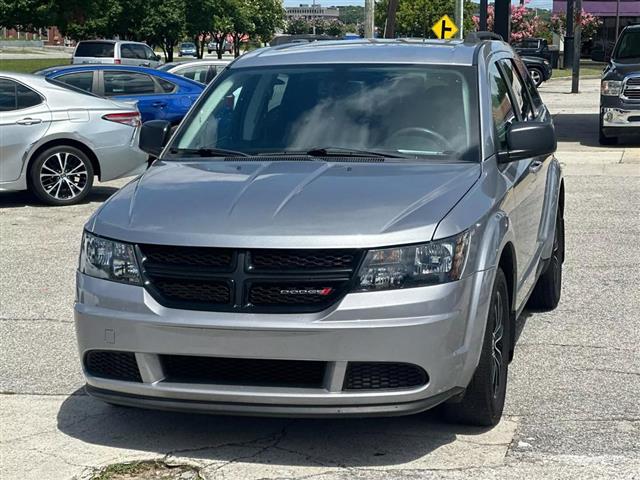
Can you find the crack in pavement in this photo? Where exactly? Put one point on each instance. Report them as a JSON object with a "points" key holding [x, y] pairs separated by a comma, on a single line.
{"points": [[36, 319], [574, 345]]}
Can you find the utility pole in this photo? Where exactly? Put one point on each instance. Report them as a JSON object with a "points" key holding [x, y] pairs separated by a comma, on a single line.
{"points": [[617, 20], [390, 25], [369, 6], [484, 5], [568, 36], [575, 77], [459, 17], [502, 20]]}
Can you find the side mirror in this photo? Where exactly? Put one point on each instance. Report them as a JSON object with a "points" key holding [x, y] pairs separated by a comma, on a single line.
{"points": [[156, 58], [528, 140], [154, 135]]}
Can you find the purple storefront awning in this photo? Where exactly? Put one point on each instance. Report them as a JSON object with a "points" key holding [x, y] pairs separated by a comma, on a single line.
{"points": [[603, 8]]}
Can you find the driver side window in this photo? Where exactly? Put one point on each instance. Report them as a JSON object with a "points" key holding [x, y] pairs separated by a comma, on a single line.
{"points": [[501, 105]]}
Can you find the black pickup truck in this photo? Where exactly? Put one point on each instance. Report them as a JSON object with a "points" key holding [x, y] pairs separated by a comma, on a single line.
{"points": [[620, 89]]}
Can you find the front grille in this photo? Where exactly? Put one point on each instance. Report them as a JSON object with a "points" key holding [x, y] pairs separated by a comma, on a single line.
{"points": [[383, 376], [217, 279], [112, 365], [276, 260], [632, 89], [240, 371]]}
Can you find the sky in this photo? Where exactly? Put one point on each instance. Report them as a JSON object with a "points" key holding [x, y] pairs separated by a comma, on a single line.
{"points": [[294, 3]]}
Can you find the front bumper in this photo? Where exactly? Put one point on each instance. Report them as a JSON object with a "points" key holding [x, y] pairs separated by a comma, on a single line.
{"points": [[439, 328], [623, 117]]}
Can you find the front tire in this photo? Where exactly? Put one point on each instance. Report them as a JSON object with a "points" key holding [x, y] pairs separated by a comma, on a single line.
{"points": [[536, 75], [548, 289], [483, 400], [61, 175], [603, 140]]}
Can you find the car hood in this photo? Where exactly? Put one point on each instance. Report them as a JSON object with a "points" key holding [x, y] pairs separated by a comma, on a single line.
{"points": [[285, 204], [619, 70]]}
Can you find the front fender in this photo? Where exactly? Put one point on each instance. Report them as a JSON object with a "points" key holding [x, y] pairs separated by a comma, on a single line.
{"points": [[550, 208]]}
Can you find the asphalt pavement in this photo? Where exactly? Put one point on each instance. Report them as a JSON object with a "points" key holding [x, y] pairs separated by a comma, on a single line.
{"points": [[572, 403]]}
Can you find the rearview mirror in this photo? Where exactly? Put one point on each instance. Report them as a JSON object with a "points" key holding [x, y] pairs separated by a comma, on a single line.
{"points": [[154, 135], [528, 140]]}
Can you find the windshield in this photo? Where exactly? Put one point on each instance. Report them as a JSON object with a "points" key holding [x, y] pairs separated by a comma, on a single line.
{"points": [[629, 46], [188, 45], [527, 44], [406, 110]]}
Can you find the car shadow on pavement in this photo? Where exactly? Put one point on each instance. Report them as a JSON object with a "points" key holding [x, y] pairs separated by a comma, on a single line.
{"points": [[295, 442], [583, 128], [26, 199]]}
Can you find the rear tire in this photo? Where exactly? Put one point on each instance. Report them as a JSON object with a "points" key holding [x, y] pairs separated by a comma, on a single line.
{"points": [[603, 140], [548, 289], [61, 175], [483, 400]]}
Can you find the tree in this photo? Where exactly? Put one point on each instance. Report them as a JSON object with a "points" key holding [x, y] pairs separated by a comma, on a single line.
{"points": [[165, 24], [199, 21], [352, 15], [298, 26], [25, 14], [416, 17], [588, 22], [268, 18]]}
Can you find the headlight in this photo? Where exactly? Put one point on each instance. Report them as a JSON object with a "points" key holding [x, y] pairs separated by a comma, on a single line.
{"points": [[414, 266], [102, 258], [611, 88]]}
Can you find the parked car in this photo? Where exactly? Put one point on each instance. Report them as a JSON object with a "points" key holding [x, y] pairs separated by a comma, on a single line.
{"points": [[55, 139], [533, 47], [116, 52], [202, 71], [159, 94], [212, 46], [539, 69], [620, 89], [311, 243], [187, 49]]}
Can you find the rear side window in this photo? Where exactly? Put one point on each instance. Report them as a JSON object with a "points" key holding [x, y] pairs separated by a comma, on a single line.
{"points": [[166, 86], [14, 96], [521, 96], [530, 86], [126, 51], [94, 49], [502, 108], [81, 80], [198, 73], [7, 95], [127, 83]]}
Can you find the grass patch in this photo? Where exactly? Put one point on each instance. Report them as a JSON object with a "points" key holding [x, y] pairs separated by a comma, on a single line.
{"points": [[584, 71], [29, 65], [147, 470]]}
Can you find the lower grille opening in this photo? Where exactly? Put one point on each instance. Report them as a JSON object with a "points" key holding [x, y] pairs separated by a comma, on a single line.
{"points": [[383, 376], [112, 365], [241, 371], [196, 292]]}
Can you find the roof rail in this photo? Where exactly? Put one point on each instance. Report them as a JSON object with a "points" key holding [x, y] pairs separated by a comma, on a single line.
{"points": [[475, 37]]}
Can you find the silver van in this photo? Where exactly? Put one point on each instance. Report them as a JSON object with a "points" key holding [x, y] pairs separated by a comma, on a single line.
{"points": [[115, 52], [336, 228]]}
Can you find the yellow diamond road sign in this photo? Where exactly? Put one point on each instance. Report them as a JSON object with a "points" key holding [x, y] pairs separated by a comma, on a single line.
{"points": [[445, 27]]}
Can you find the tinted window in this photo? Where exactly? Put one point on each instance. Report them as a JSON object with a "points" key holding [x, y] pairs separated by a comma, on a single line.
{"points": [[94, 49], [521, 96], [127, 51], [27, 97], [8, 95], [166, 86], [425, 110], [81, 80], [150, 54], [140, 52], [530, 86], [127, 83], [199, 73], [629, 46], [502, 108]]}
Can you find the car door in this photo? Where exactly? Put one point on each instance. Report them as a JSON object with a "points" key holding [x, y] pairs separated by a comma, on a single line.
{"points": [[530, 191], [152, 103], [24, 119], [82, 80]]}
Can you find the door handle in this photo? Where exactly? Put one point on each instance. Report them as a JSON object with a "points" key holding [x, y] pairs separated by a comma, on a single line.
{"points": [[159, 104], [535, 166], [29, 121], [146, 64]]}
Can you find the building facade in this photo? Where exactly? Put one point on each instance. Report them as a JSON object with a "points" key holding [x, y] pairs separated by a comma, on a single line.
{"points": [[312, 12], [629, 11]]}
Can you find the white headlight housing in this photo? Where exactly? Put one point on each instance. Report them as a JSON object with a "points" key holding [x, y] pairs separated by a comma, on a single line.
{"points": [[415, 265], [611, 88], [108, 259]]}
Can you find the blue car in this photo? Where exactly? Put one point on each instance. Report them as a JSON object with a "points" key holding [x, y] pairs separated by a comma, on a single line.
{"points": [[159, 95]]}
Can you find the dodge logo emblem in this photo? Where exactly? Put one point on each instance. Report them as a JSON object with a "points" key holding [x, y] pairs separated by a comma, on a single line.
{"points": [[307, 291]]}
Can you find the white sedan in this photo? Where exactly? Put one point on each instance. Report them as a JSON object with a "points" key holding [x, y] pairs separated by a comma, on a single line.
{"points": [[54, 139]]}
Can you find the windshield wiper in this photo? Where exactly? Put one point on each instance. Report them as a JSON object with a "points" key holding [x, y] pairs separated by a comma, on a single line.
{"points": [[207, 152], [333, 152]]}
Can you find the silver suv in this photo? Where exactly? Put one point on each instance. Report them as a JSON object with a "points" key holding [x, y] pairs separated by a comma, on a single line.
{"points": [[336, 228], [115, 52]]}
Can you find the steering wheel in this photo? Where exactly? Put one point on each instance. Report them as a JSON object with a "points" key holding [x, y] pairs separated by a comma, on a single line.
{"points": [[424, 132]]}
